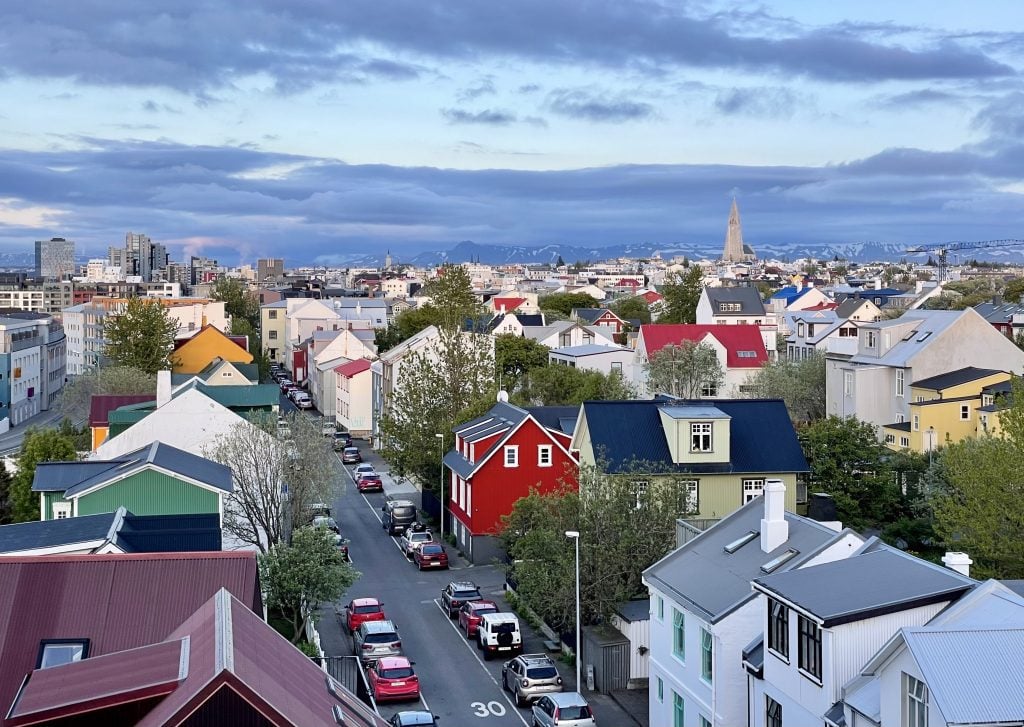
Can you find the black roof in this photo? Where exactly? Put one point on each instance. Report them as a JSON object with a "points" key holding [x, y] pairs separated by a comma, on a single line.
{"points": [[53, 533], [899, 426], [555, 417], [954, 378], [748, 298]]}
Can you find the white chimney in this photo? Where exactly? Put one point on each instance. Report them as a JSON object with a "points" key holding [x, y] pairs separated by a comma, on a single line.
{"points": [[878, 283], [163, 388], [774, 528], [960, 562]]}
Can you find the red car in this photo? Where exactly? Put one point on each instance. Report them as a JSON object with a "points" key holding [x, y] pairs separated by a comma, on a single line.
{"points": [[392, 678], [430, 555], [470, 613], [361, 610], [369, 482]]}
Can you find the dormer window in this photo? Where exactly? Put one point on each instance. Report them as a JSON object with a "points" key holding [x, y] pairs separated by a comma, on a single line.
{"points": [[800, 330], [55, 652], [730, 307], [869, 339], [700, 436]]}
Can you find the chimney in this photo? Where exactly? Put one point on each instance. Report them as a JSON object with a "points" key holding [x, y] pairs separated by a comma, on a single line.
{"points": [[774, 528], [878, 283], [163, 388], [960, 562]]}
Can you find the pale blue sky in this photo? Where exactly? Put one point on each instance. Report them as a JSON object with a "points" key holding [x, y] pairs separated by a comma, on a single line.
{"points": [[238, 128]]}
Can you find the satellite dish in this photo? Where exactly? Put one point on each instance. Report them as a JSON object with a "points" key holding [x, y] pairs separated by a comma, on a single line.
{"points": [[503, 396]]}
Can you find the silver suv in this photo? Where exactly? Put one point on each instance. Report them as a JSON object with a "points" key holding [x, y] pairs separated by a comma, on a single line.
{"points": [[529, 677], [374, 640], [566, 709]]}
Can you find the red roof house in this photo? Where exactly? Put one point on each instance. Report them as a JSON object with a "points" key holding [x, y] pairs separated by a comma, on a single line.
{"points": [[506, 305], [651, 296], [497, 459], [354, 396]]}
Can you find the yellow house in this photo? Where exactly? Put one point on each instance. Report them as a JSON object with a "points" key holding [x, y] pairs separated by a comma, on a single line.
{"points": [[720, 451], [208, 344], [945, 409]]}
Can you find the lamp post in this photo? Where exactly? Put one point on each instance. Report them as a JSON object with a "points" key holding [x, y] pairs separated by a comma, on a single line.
{"points": [[575, 535], [440, 442]]}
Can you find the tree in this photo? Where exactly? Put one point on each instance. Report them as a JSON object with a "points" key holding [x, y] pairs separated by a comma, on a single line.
{"points": [[557, 385], [6, 506], [681, 292], [298, 576], [515, 355], [1014, 290], [632, 308], [39, 445], [688, 370], [406, 325], [141, 337], [435, 384], [801, 384], [78, 392], [849, 463], [565, 302], [239, 302], [451, 293]]}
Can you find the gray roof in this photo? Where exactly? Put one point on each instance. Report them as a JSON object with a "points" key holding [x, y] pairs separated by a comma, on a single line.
{"points": [[52, 533], [835, 715], [748, 298], [955, 378], [930, 322], [1015, 585], [849, 306], [589, 349], [638, 609], [884, 580], [558, 418], [713, 583]]}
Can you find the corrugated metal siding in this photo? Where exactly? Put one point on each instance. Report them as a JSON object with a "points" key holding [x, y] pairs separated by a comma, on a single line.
{"points": [[639, 634], [149, 493], [48, 499]]}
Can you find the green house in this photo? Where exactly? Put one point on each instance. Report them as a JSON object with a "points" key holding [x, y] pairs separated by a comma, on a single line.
{"points": [[156, 480]]}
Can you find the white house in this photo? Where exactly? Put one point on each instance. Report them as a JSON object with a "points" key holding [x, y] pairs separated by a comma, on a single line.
{"points": [[736, 305], [333, 350], [562, 334], [353, 410], [595, 357]]}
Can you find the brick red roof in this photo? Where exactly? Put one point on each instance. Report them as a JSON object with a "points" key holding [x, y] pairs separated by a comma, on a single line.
{"points": [[509, 304], [352, 368], [627, 283], [823, 305], [102, 404], [734, 338], [651, 296]]}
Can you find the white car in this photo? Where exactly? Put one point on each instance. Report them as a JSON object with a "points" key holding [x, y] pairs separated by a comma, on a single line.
{"points": [[363, 469], [413, 538], [303, 401]]}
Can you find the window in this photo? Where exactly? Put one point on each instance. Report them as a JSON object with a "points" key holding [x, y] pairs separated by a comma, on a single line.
{"points": [[740, 541], [869, 339], [678, 710], [544, 455], [778, 628], [904, 441], [915, 702], [773, 565], [890, 438], [54, 652], [746, 354], [965, 412], [704, 721], [772, 712], [678, 634], [752, 489], [272, 315], [709, 389], [809, 647], [700, 436], [661, 608], [661, 690], [847, 383], [512, 455], [61, 510], [272, 334], [899, 382], [800, 330], [730, 307], [640, 491], [899, 418], [617, 366], [690, 504], [917, 423], [707, 646], [810, 329]]}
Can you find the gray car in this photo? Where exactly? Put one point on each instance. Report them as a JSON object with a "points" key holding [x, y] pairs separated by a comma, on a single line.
{"points": [[374, 640], [529, 677], [566, 709]]}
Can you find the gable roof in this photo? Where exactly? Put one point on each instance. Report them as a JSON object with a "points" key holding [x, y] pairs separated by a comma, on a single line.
{"points": [[712, 583], [736, 339], [590, 315], [748, 298], [250, 371], [880, 581], [557, 418], [651, 296], [590, 349], [352, 368], [850, 306], [928, 326], [100, 405], [509, 304], [211, 331], [762, 438], [954, 378]]}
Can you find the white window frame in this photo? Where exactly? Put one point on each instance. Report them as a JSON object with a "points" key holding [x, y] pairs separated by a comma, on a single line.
{"points": [[900, 380], [707, 656], [701, 435], [640, 488], [965, 412], [545, 457], [679, 635], [661, 690], [915, 702], [61, 510], [752, 487], [917, 423], [678, 710], [691, 494], [511, 455], [904, 441], [847, 383], [661, 608]]}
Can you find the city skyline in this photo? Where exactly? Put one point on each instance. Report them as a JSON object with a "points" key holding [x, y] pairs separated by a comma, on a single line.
{"points": [[242, 130]]}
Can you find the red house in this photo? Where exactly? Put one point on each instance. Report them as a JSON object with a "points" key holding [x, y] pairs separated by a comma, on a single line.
{"points": [[598, 317], [498, 458]]}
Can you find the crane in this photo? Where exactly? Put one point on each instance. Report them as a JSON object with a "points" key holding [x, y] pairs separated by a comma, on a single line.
{"points": [[942, 249]]}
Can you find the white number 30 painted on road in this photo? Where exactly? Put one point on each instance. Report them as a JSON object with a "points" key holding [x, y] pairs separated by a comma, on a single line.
{"points": [[491, 709]]}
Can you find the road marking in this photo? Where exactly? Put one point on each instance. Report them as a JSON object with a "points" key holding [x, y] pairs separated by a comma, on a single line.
{"points": [[473, 650]]}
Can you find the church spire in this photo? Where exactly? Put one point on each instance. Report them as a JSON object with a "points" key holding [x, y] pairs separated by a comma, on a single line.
{"points": [[734, 236]]}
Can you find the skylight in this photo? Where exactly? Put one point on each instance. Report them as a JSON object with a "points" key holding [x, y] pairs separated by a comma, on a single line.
{"points": [[909, 336], [778, 560], [741, 541], [924, 336]]}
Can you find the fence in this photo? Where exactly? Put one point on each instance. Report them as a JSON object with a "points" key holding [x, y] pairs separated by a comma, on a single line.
{"points": [[347, 671]]}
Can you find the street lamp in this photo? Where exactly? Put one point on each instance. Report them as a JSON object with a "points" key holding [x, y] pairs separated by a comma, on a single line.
{"points": [[440, 441], [575, 535]]}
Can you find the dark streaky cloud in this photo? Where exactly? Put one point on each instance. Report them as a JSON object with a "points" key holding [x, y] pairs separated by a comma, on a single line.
{"points": [[488, 117], [583, 104]]}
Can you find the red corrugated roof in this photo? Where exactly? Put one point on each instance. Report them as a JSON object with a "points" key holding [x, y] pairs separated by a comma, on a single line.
{"points": [[627, 283], [352, 368], [118, 602], [102, 404], [734, 338], [823, 305], [509, 304], [651, 296]]}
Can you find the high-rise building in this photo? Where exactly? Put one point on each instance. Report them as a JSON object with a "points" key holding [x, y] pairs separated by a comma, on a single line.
{"points": [[55, 258], [735, 250], [269, 269], [203, 270], [141, 256]]}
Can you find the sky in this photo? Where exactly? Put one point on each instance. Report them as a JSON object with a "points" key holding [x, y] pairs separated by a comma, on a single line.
{"points": [[316, 130]]}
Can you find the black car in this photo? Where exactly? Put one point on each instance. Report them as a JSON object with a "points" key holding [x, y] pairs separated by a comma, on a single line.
{"points": [[342, 440], [457, 593]]}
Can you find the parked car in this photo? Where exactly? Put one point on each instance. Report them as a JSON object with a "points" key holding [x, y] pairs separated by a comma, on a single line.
{"points": [[360, 610], [529, 677], [430, 555], [303, 400], [319, 508], [499, 633], [470, 613], [342, 440], [457, 593], [392, 679], [374, 640], [398, 515], [565, 709], [294, 393], [342, 543], [414, 536], [350, 455], [414, 719], [284, 384], [363, 467], [369, 482], [326, 521], [327, 427]]}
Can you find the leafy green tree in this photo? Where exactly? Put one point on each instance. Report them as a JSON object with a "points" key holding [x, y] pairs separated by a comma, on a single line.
{"points": [[78, 392], [39, 445], [632, 308], [801, 384], [565, 302], [6, 507], [406, 325], [299, 576], [141, 337], [849, 463], [1014, 290], [451, 293], [681, 293], [557, 385], [515, 355], [239, 302], [688, 370]]}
